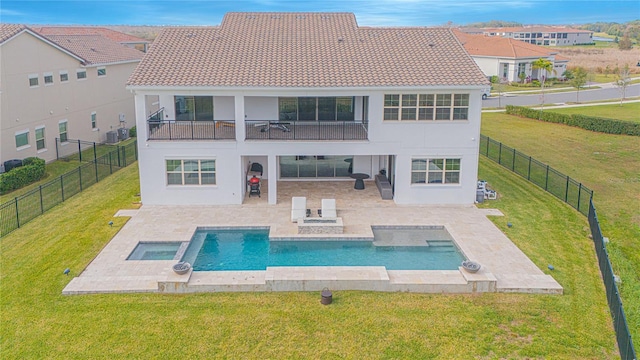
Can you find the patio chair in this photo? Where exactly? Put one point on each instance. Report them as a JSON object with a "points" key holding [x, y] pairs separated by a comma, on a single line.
{"points": [[298, 208], [329, 208]]}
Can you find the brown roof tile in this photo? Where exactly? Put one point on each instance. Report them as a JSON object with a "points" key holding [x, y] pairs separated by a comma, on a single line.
{"points": [[482, 45], [7, 31], [112, 35], [304, 50], [96, 49]]}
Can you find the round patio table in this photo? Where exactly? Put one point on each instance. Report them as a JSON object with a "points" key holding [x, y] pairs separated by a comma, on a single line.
{"points": [[359, 185]]}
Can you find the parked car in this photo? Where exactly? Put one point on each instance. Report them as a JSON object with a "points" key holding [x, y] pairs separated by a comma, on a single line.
{"points": [[486, 92]]}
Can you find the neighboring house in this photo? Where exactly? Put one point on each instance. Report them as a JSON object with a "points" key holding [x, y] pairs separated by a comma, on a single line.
{"points": [[544, 35], [310, 97], [508, 58], [115, 36], [61, 86]]}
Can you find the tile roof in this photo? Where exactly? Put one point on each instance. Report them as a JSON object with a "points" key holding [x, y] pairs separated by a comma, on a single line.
{"points": [[482, 45], [96, 49], [304, 50], [112, 35], [7, 31]]}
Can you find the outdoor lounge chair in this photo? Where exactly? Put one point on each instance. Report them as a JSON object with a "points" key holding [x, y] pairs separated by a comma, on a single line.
{"points": [[329, 208], [298, 208]]}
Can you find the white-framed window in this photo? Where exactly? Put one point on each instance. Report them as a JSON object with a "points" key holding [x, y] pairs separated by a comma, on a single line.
{"points": [[81, 74], [48, 79], [40, 140], [412, 107], [435, 171], [22, 139], [102, 71], [94, 120], [33, 80], [64, 76], [62, 130], [191, 171]]}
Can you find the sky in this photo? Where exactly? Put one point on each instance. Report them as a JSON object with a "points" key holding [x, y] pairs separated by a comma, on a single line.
{"points": [[368, 13]]}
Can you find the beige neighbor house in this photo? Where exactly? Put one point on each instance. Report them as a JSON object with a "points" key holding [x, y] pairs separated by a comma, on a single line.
{"points": [[508, 58], [61, 86]]}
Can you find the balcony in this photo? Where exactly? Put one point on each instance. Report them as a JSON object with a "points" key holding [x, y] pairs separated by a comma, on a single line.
{"points": [[305, 130], [191, 130]]}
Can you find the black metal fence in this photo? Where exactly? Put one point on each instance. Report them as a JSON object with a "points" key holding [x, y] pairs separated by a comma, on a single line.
{"points": [[581, 198], [76, 150], [625, 343], [191, 130], [560, 185], [22, 209]]}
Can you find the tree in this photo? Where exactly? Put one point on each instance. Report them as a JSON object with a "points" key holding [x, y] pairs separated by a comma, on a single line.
{"points": [[497, 86], [622, 80], [578, 80], [625, 43], [547, 68]]}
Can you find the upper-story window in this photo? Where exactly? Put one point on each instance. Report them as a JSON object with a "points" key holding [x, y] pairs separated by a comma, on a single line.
{"points": [[194, 108], [81, 74], [411, 107], [33, 80], [64, 76], [316, 109], [48, 79], [102, 71]]}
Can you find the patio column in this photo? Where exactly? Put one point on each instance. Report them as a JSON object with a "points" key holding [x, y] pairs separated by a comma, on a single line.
{"points": [[141, 117], [239, 117], [272, 170]]}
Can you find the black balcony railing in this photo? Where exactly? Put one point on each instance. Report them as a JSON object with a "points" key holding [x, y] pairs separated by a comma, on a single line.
{"points": [[191, 130], [305, 130]]}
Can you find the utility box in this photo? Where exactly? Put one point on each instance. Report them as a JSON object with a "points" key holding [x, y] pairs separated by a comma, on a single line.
{"points": [[112, 137], [480, 196], [123, 133]]}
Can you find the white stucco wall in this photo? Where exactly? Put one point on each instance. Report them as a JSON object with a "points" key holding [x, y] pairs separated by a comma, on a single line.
{"points": [[435, 139]]}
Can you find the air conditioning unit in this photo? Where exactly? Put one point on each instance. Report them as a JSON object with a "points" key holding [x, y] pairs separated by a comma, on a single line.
{"points": [[123, 133], [112, 137]]}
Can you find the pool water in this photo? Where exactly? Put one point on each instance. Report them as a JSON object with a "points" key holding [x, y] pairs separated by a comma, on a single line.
{"points": [[155, 251], [250, 249]]}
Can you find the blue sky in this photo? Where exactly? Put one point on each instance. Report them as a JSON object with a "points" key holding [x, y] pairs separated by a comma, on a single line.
{"points": [[371, 13]]}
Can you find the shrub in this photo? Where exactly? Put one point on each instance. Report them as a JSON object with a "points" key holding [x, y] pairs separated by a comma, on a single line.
{"points": [[133, 132], [32, 170], [592, 123]]}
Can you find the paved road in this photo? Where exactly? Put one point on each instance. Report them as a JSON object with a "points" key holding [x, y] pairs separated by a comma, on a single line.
{"points": [[608, 92]]}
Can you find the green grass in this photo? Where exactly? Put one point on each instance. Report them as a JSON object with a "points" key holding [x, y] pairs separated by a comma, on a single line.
{"points": [[628, 111], [607, 164], [38, 322]]}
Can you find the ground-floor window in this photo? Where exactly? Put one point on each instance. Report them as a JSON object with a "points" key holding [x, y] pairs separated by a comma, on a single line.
{"points": [[40, 142], [22, 139], [320, 166], [191, 172], [435, 171], [62, 130]]}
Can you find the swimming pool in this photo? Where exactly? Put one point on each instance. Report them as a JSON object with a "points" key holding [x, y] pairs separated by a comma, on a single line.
{"points": [[417, 248]]}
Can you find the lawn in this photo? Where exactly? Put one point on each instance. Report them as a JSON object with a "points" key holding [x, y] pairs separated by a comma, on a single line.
{"points": [[628, 111], [607, 164], [38, 322]]}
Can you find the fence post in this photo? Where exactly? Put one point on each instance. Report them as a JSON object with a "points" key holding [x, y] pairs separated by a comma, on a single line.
{"points": [[500, 154], [62, 186], [124, 155], [513, 161], [41, 204], [566, 190], [95, 153], [546, 179], [95, 164], [488, 138], [80, 150], [529, 171], [579, 194], [135, 148], [80, 176], [17, 213], [110, 162], [57, 152], [118, 149]]}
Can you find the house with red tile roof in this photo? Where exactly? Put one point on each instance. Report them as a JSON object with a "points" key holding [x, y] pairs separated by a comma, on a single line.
{"points": [[115, 36], [508, 58], [306, 97], [60, 87]]}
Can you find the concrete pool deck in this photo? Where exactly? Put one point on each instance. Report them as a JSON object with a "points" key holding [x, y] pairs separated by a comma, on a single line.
{"points": [[504, 267]]}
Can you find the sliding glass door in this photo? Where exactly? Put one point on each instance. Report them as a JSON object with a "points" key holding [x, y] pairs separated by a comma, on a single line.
{"points": [[320, 166]]}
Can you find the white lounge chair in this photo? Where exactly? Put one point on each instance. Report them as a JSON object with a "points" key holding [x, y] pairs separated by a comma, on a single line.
{"points": [[298, 208], [329, 208]]}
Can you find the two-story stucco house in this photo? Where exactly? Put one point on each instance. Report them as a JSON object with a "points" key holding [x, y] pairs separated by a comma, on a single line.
{"points": [[309, 97], [61, 87]]}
